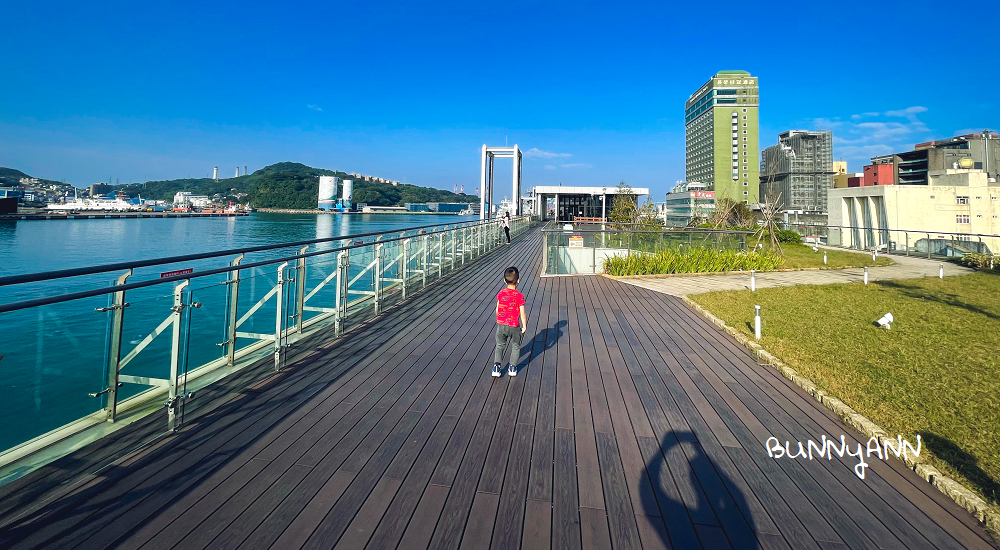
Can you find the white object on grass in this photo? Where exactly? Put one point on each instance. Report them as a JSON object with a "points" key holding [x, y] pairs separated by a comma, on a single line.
{"points": [[884, 321]]}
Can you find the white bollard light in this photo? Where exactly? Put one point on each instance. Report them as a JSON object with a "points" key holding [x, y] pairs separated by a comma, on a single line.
{"points": [[753, 281], [824, 257], [941, 271], [884, 321], [756, 323], [866, 275]]}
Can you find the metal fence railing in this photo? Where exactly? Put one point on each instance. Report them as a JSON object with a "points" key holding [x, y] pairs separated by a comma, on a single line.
{"points": [[80, 359], [909, 242]]}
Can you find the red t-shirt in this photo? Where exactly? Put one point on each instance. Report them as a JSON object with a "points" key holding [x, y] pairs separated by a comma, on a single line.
{"points": [[509, 311]]}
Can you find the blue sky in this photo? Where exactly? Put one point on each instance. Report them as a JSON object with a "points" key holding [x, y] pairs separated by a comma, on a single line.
{"points": [[593, 91]]}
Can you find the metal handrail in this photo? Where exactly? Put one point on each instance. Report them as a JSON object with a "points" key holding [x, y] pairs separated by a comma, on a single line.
{"points": [[37, 302], [791, 223], [388, 275], [79, 271]]}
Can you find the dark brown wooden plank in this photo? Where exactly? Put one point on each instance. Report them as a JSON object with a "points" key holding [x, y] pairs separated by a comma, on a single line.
{"points": [[537, 525], [565, 506], [594, 530]]}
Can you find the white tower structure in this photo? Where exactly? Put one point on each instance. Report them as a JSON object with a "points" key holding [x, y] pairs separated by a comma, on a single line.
{"points": [[327, 192], [215, 174], [486, 178]]}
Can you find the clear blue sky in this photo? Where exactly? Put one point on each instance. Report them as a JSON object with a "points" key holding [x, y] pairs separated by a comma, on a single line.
{"points": [[595, 91]]}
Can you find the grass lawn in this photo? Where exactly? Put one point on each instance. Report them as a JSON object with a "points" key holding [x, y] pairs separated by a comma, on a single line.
{"points": [[935, 373], [798, 256]]}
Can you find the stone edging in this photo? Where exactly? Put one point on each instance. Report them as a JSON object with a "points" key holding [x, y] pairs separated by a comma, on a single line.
{"points": [[705, 273], [964, 497]]}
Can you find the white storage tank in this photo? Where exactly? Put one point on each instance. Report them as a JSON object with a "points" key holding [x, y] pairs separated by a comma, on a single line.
{"points": [[327, 192], [348, 199]]}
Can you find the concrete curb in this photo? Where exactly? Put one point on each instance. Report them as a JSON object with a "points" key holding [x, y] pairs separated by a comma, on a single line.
{"points": [[963, 496], [706, 273]]}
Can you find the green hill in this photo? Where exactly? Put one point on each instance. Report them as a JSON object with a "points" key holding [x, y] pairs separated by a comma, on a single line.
{"points": [[290, 185], [12, 177]]}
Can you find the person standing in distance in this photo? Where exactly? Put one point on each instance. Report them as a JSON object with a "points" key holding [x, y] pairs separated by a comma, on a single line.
{"points": [[506, 225], [511, 323]]}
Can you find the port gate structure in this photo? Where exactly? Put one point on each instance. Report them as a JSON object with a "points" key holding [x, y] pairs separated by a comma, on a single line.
{"points": [[486, 179]]}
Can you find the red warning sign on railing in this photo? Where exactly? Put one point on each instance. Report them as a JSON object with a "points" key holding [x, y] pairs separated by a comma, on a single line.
{"points": [[176, 273]]}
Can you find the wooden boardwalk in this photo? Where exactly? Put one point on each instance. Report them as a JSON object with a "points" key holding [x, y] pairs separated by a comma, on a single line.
{"points": [[631, 423]]}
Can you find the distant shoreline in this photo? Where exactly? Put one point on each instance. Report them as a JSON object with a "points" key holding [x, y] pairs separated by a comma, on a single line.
{"points": [[317, 211]]}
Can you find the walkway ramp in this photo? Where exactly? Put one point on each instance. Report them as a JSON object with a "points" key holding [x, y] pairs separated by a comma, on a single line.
{"points": [[631, 423]]}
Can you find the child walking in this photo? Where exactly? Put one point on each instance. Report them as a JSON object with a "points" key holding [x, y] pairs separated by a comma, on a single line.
{"points": [[511, 323]]}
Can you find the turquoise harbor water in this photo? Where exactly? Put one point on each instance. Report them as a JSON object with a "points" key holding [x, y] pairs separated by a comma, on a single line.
{"points": [[54, 356]]}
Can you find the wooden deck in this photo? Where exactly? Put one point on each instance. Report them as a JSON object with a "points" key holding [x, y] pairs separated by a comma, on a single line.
{"points": [[632, 423]]}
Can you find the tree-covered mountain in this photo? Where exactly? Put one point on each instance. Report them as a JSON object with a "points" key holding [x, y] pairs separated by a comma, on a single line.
{"points": [[12, 177], [290, 185]]}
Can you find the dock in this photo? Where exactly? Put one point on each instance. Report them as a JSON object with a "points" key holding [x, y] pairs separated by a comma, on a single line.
{"points": [[110, 215], [632, 423]]}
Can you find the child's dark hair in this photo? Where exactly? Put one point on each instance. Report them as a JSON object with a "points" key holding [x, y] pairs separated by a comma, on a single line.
{"points": [[511, 275]]}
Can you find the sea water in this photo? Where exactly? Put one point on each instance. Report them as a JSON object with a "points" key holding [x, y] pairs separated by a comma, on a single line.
{"points": [[55, 356]]}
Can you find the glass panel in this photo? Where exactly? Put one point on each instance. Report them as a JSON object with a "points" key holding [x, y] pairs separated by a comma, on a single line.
{"points": [[208, 322], [53, 357]]}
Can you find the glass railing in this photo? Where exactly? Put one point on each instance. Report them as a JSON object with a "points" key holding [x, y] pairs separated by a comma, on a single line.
{"points": [[581, 248], [907, 242], [83, 359]]}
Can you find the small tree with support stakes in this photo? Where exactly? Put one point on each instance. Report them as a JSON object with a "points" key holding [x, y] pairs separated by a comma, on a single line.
{"points": [[770, 208]]}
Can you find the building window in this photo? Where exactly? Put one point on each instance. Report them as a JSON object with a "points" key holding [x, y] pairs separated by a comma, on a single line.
{"points": [[962, 218], [977, 198], [744, 110], [746, 192], [979, 215], [745, 183], [961, 200], [744, 131]]}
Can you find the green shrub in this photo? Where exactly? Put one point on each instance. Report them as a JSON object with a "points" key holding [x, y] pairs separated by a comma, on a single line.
{"points": [[788, 236], [980, 261], [691, 260]]}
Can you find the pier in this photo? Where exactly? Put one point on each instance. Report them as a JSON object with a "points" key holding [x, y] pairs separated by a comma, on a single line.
{"points": [[632, 423], [96, 215]]}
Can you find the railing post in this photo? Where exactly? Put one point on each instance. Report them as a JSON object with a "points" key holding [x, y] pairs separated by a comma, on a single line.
{"points": [[423, 261], [906, 236], [440, 250], [343, 261], [300, 291], [114, 355], [175, 355], [279, 317], [403, 267], [377, 272], [234, 294], [451, 241], [928, 246]]}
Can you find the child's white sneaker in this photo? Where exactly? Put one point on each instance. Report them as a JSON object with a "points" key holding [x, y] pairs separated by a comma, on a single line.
{"points": [[511, 371], [496, 370]]}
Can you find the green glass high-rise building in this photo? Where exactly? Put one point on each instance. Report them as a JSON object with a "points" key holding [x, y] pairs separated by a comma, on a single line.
{"points": [[721, 128]]}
